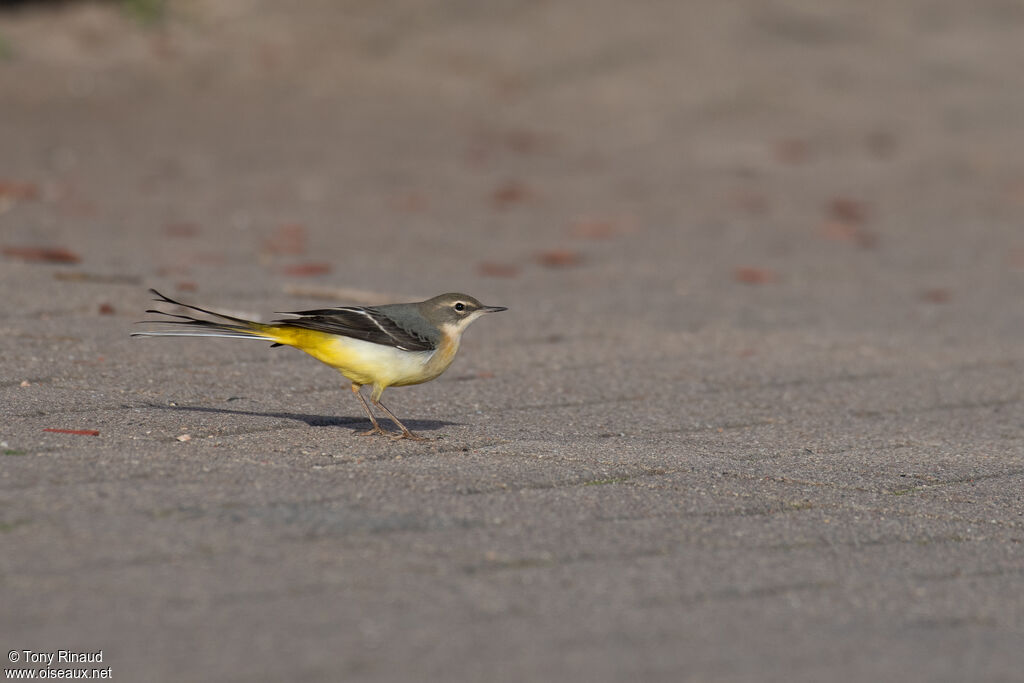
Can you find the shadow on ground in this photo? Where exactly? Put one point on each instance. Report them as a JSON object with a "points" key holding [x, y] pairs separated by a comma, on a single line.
{"points": [[354, 423]]}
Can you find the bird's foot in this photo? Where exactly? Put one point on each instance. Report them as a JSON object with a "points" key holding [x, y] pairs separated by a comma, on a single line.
{"points": [[370, 432], [412, 437]]}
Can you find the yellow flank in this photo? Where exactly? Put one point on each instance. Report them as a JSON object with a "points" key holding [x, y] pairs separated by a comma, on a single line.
{"points": [[364, 362]]}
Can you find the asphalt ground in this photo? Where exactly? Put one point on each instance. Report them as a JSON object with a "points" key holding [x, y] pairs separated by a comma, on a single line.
{"points": [[754, 413]]}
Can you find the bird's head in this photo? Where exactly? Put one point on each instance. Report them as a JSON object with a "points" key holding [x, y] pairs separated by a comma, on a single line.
{"points": [[453, 312]]}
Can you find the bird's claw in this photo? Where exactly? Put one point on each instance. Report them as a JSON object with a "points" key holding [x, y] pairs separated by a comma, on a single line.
{"points": [[410, 436]]}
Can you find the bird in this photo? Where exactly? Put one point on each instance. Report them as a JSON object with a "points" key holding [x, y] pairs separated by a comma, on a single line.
{"points": [[391, 345]]}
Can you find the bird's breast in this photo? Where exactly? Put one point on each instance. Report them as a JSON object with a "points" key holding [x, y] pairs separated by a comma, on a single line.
{"points": [[442, 356]]}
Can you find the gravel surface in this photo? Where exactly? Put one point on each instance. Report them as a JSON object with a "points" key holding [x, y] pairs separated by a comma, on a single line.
{"points": [[754, 413]]}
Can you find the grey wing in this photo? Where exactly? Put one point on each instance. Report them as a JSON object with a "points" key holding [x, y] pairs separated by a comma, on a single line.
{"points": [[357, 322]]}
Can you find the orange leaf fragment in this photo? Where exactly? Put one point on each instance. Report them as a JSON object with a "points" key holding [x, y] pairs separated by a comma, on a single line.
{"points": [[47, 254], [845, 223], [14, 189], [559, 258], [936, 295], [287, 239], [308, 269], [755, 276], [494, 269], [848, 210], [847, 232], [508, 194]]}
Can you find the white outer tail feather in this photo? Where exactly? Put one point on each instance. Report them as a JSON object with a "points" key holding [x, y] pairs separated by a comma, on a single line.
{"points": [[223, 335]]}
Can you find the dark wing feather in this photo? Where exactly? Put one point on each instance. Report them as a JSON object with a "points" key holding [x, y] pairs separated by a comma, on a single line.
{"points": [[365, 323]]}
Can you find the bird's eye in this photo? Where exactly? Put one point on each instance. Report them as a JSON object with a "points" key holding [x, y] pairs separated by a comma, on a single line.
{"points": [[460, 306]]}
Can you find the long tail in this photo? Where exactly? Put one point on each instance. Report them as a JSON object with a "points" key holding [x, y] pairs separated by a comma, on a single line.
{"points": [[188, 326]]}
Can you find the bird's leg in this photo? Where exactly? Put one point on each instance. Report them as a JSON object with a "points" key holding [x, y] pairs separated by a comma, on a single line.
{"points": [[406, 434], [376, 427]]}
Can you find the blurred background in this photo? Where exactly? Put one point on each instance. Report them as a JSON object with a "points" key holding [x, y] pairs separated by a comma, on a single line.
{"points": [[778, 162]]}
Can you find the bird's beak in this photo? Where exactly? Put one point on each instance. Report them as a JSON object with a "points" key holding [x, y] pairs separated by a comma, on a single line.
{"points": [[493, 309]]}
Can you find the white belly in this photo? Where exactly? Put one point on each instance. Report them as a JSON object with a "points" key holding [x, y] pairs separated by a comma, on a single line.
{"points": [[367, 363]]}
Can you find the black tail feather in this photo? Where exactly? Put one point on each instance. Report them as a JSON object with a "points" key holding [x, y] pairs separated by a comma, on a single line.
{"points": [[168, 300], [236, 326]]}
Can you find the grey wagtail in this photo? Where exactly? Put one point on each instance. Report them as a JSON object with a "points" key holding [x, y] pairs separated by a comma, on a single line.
{"points": [[387, 346]]}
